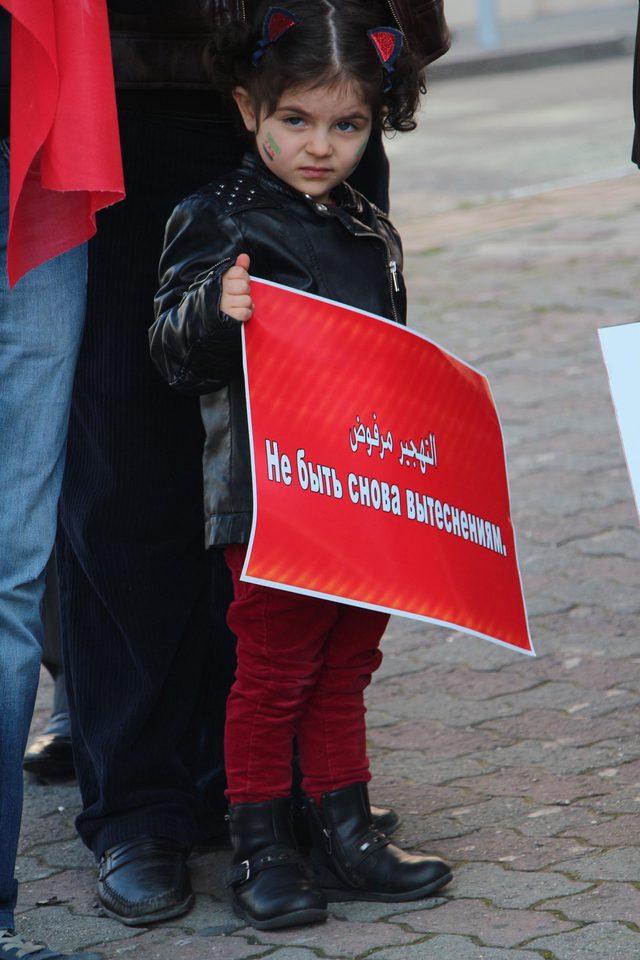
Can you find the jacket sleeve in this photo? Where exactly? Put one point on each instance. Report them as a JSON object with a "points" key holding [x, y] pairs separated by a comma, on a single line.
{"points": [[426, 28], [196, 348]]}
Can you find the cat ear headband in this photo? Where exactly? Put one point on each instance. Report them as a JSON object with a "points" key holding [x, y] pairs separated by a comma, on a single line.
{"points": [[277, 22], [388, 43]]}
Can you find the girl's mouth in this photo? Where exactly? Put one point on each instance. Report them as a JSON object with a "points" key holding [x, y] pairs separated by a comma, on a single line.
{"points": [[315, 173]]}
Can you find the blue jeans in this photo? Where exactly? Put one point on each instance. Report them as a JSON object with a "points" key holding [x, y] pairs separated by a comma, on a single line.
{"points": [[41, 322]]}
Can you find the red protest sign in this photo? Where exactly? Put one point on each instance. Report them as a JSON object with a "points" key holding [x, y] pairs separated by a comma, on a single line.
{"points": [[379, 471]]}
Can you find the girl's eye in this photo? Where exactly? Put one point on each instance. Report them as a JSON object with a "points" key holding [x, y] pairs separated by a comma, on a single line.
{"points": [[346, 126], [294, 121]]}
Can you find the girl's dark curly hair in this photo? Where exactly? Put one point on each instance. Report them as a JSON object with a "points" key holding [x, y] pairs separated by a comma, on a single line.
{"points": [[329, 45]]}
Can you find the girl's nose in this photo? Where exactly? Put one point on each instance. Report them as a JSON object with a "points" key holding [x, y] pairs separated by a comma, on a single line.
{"points": [[319, 145]]}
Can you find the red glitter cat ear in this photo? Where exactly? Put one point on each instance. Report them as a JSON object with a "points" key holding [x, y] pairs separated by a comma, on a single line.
{"points": [[276, 23], [388, 44]]}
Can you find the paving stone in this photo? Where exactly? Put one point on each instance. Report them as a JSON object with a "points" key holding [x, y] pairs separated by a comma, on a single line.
{"points": [[440, 740], [626, 800], [453, 948], [63, 930], [28, 869], [557, 757], [55, 817], [207, 914], [504, 810], [622, 543], [368, 912], [75, 888], [558, 726], [64, 853], [512, 888], [623, 831], [606, 901], [337, 937], [606, 941], [207, 873], [499, 845], [163, 944], [425, 769], [539, 786], [464, 682], [490, 925], [550, 821], [293, 953], [621, 863]]}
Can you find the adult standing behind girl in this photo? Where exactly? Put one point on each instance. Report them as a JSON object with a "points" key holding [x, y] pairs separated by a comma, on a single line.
{"points": [[139, 627], [312, 82]]}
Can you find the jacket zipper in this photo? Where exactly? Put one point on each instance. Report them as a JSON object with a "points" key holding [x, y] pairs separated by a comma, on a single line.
{"points": [[391, 271], [395, 14], [243, 11], [393, 268], [202, 278]]}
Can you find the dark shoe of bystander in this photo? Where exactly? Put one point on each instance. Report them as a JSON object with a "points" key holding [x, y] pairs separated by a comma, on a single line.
{"points": [[385, 819], [269, 884], [353, 860], [144, 881], [50, 755], [15, 947]]}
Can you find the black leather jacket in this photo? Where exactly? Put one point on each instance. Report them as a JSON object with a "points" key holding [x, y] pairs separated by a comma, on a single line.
{"points": [[350, 253], [163, 43]]}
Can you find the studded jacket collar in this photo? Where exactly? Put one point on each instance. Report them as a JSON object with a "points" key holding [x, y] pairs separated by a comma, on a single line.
{"points": [[349, 252]]}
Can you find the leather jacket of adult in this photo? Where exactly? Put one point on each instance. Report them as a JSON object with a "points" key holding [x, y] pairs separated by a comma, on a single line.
{"points": [[349, 252], [164, 43]]}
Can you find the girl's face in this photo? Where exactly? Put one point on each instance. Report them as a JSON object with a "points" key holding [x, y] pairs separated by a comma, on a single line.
{"points": [[316, 137]]}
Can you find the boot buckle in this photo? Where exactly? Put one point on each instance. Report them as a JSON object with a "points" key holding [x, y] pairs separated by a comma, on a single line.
{"points": [[247, 867]]}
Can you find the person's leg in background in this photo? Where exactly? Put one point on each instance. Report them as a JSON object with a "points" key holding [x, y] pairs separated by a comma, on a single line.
{"points": [[135, 577], [50, 756], [41, 323]]}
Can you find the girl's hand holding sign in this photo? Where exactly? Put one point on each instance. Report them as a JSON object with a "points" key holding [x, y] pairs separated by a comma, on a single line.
{"points": [[236, 299]]}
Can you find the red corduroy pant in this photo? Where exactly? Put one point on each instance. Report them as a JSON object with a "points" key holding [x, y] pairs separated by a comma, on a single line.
{"points": [[303, 666]]}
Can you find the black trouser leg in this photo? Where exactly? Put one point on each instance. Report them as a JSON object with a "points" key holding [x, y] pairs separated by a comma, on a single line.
{"points": [[51, 645], [137, 615]]}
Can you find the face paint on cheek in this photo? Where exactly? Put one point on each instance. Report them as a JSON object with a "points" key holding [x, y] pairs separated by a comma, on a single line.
{"points": [[360, 153], [271, 148], [361, 149]]}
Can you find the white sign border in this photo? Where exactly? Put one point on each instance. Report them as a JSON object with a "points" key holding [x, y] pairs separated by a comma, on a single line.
{"points": [[605, 345]]}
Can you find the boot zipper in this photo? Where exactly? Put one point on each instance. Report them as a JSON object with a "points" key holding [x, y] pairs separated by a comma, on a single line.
{"points": [[327, 840], [243, 11]]}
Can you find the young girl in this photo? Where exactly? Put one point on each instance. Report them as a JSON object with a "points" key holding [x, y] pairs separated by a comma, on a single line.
{"points": [[311, 82]]}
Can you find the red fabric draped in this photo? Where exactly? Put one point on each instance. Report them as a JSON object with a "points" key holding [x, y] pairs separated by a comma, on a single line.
{"points": [[65, 147]]}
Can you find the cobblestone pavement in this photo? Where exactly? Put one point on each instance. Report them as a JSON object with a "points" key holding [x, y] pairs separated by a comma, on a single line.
{"points": [[525, 773]]}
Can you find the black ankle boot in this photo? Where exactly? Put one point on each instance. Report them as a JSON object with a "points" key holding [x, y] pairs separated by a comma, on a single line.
{"points": [[269, 885], [354, 861]]}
